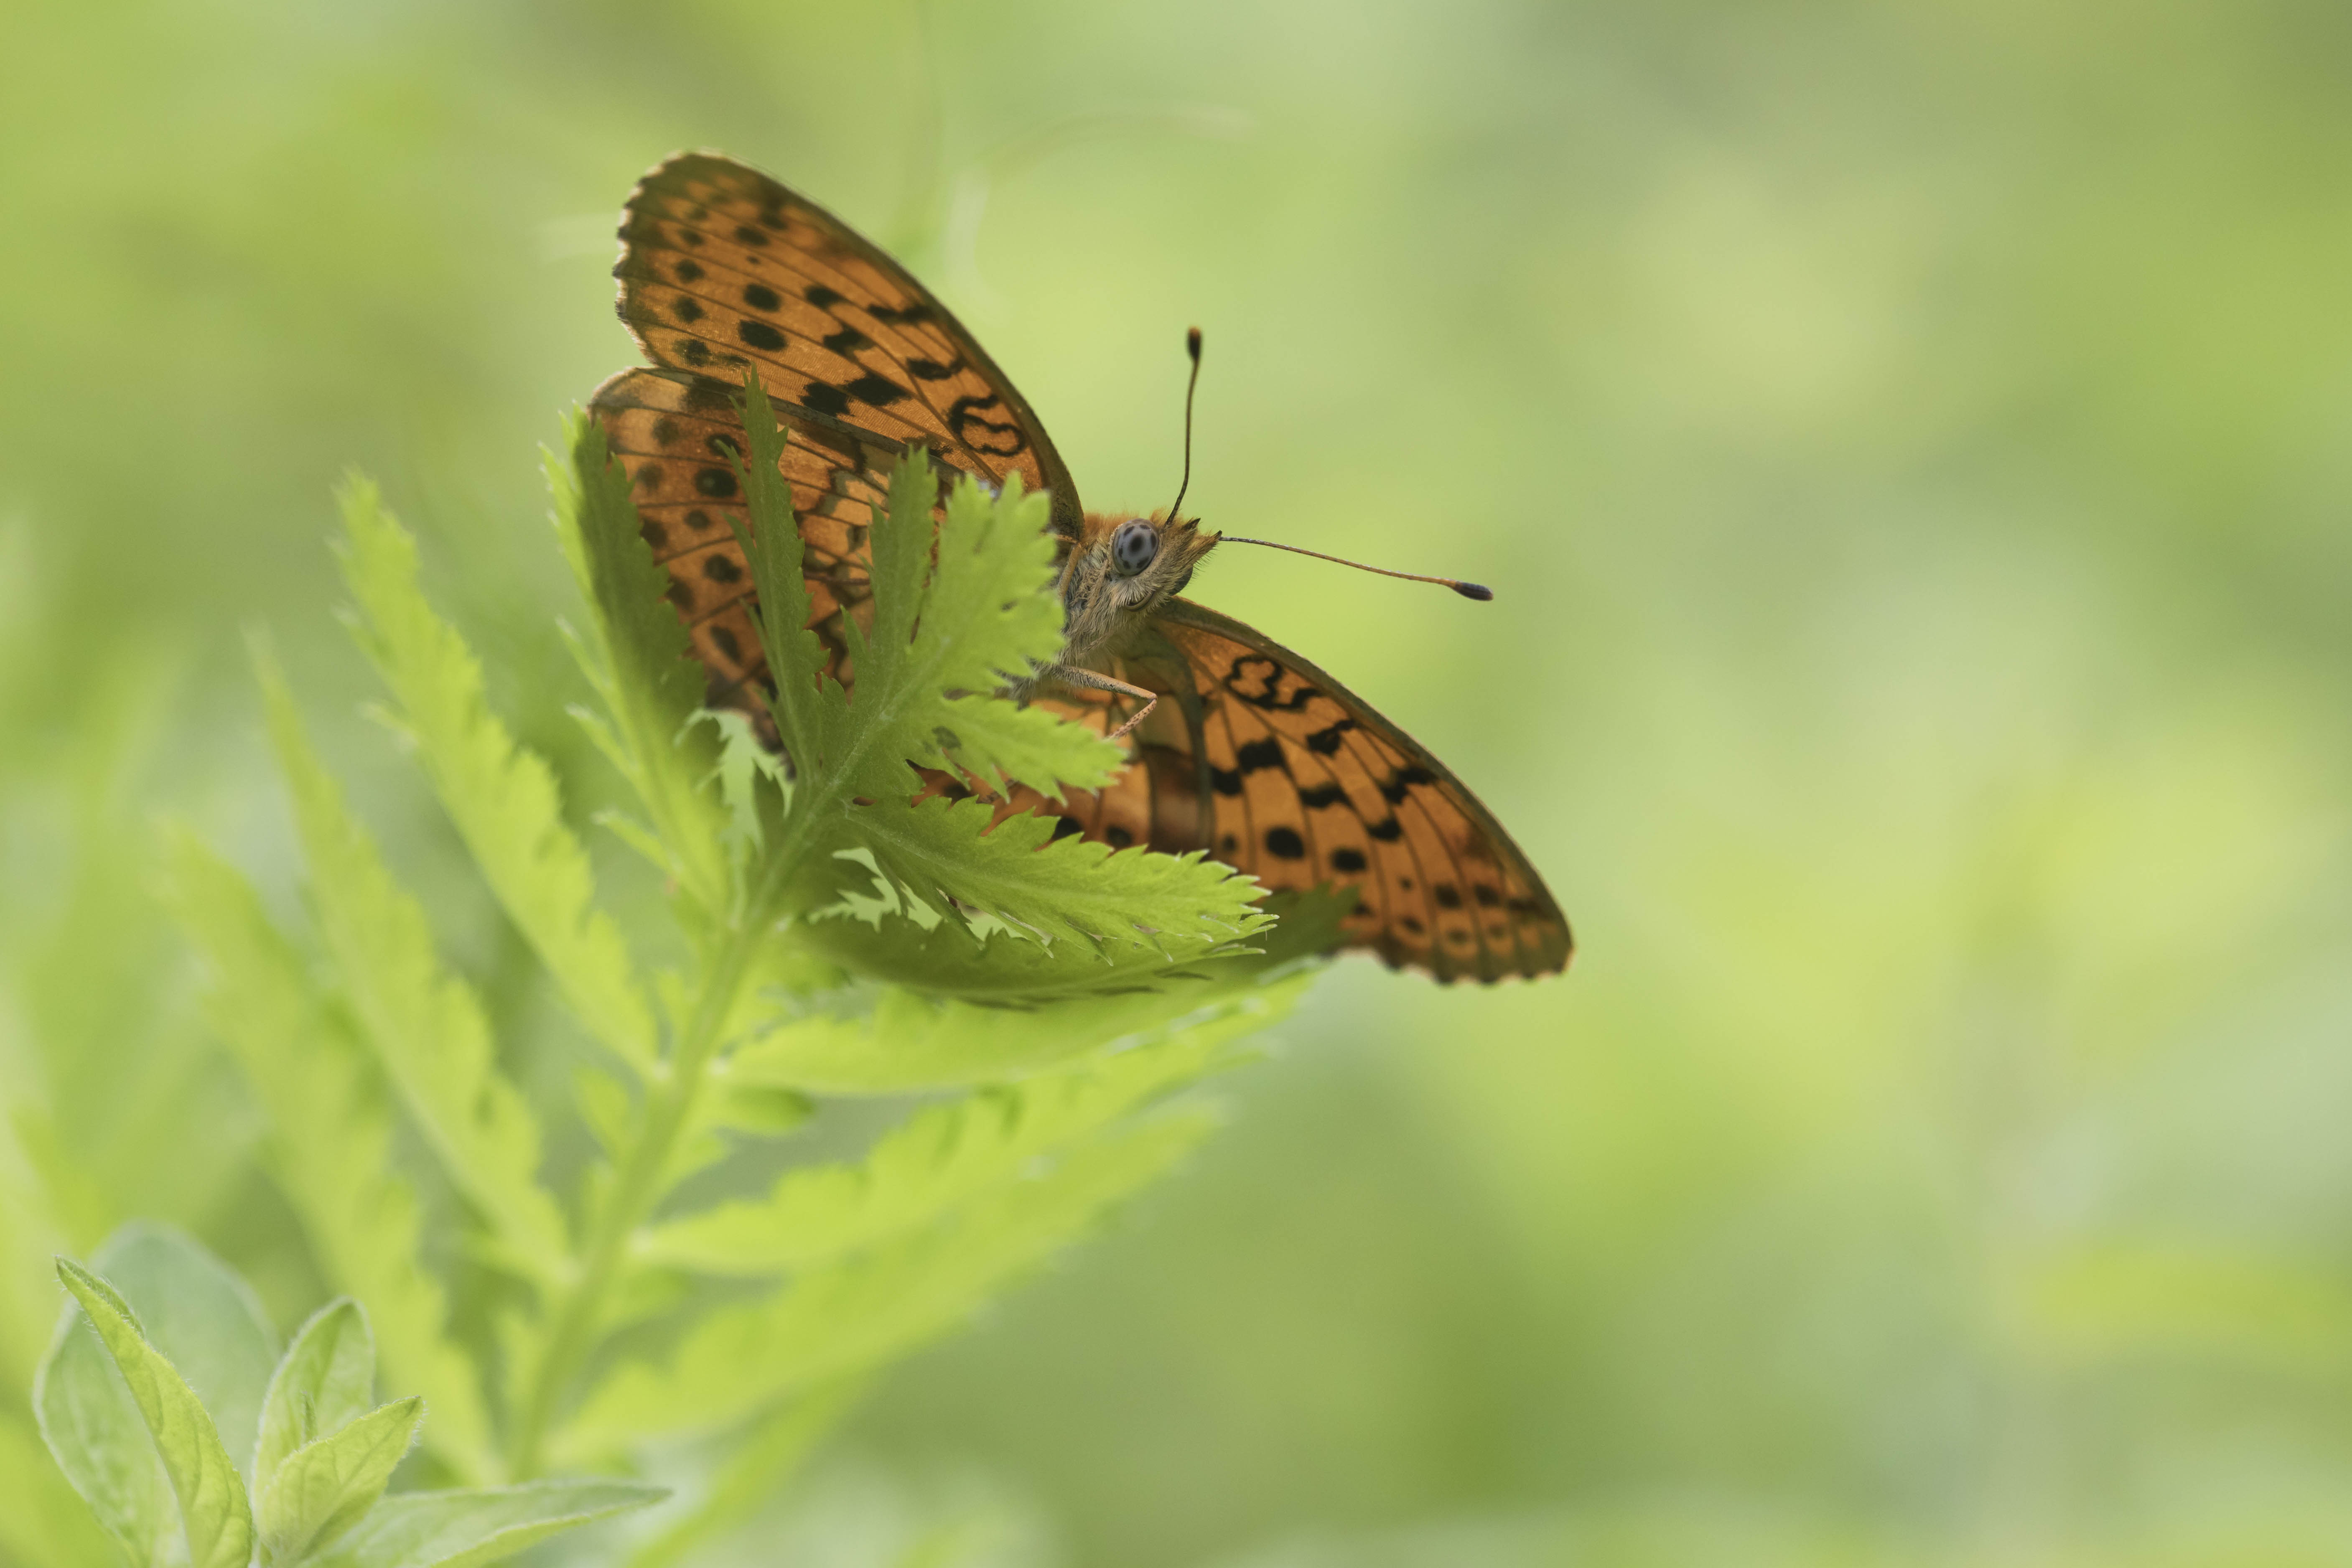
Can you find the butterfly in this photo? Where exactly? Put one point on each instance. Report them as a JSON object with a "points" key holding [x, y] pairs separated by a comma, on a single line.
{"points": [[1238, 746]]}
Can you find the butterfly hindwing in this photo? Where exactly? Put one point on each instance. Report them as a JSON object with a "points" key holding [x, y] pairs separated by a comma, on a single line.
{"points": [[1306, 785]]}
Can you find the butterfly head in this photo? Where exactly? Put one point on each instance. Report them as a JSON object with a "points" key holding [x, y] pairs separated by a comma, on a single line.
{"points": [[1121, 570]]}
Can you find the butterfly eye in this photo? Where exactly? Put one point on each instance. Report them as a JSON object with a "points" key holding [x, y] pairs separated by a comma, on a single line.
{"points": [[1134, 545]]}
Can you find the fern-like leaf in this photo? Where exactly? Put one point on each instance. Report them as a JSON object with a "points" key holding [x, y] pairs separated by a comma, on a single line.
{"points": [[330, 1146], [636, 659], [854, 1315], [502, 798], [423, 1024], [939, 1159]]}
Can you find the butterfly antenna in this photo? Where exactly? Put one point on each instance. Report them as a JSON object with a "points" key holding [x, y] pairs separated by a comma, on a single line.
{"points": [[1467, 590], [1191, 347]]}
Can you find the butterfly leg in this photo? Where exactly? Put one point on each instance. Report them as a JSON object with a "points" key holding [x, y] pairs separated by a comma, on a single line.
{"points": [[1093, 680]]}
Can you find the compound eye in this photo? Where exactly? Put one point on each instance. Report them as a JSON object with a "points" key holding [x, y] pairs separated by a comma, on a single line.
{"points": [[1133, 546]]}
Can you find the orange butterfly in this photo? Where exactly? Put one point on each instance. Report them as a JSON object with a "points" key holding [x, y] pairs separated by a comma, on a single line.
{"points": [[1240, 747]]}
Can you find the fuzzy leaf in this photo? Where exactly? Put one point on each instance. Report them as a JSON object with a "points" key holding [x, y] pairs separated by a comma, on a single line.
{"points": [[328, 1485], [502, 798], [638, 658], [849, 1317], [212, 1513], [200, 1317], [93, 1430], [324, 1383], [423, 1024], [465, 1529], [329, 1145], [940, 1159]]}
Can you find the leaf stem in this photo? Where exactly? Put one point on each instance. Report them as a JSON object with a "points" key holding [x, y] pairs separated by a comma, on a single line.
{"points": [[669, 1108]]}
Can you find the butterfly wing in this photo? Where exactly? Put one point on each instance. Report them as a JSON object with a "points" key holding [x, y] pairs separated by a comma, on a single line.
{"points": [[1264, 761], [724, 270]]}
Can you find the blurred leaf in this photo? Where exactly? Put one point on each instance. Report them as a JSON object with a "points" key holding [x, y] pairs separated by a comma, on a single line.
{"points": [[838, 1321], [46, 1520], [503, 798], [325, 1381], [330, 1142], [95, 1432], [464, 1528], [212, 1513], [326, 1486], [945, 1157], [200, 1317], [425, 1024]]}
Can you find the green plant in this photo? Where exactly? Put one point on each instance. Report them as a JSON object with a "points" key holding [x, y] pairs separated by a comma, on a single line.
{"points": [[166, 1404], [698, 1287]]}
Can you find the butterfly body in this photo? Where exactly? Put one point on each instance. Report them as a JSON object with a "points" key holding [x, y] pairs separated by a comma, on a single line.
{"points": [[1240, 747]]}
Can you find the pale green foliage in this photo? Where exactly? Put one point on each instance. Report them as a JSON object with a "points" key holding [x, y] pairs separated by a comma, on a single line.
{"points": [[502, 799], [1117, 981], [119, 1407], [217, 1525]]}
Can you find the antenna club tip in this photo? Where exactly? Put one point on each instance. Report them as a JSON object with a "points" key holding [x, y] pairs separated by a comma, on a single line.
{"points": [[1193, 342], [1478, 591]]}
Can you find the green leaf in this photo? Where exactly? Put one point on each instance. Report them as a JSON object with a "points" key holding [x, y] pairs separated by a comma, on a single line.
{"points": [[796, 658], [212, 1513], [850, 1316], [329, 1144], [423, 1024], [464, 1528], [200, 1317], [638, 660], [502, 798], [940, 1159], [326, 1381], [94, 1431], [946, 960], [943, 853], [327, 1485]]}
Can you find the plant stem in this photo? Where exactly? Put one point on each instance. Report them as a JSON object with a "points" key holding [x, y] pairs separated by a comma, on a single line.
{"points": [[669, 1109]]}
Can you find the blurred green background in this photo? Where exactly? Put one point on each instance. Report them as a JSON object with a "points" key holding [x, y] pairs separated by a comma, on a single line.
{"points": [[1913, 445]]}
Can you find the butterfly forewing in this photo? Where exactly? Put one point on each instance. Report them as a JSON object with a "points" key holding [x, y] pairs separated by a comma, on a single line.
{"points": [[722, 269]]}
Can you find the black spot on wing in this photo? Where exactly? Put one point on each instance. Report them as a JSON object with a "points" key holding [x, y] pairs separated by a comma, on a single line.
{"points": [[720, 569], [1284, 844], [1348, 862], [1259, 755], [1392, 788], [1325, 742], [822, 298], [1225, 781], [847, 341], [716, 483], [1322, 795], [826, 398], [685, 310], [759, 335], [760, 297], [726, 644], [878, 390]]}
